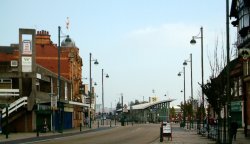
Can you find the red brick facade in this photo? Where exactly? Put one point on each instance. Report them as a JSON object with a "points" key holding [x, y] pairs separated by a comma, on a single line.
{"points": [[71, 62]]}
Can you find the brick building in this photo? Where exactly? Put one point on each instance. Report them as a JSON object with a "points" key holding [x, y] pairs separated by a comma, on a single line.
{"points": [[29, 86], [240, 12]]}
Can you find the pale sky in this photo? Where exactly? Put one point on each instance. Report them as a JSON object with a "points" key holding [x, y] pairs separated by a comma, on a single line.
{"points": [[141, 44]]}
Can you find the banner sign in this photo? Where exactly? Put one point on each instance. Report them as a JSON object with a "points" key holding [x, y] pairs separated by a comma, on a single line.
{"points": [[26, 64], [27, 48], [53, 102]]}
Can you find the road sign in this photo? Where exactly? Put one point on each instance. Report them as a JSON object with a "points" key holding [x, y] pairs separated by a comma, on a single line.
{"points": [[125, 108], [54, 102]]}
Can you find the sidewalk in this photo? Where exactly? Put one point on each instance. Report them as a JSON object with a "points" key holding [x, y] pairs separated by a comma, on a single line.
{"points": [[25, 135], [184, 136], [240, 138]]}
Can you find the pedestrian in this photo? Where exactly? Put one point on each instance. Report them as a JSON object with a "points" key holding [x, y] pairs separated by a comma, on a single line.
{"points": [[87, 121], [234, 127], [45, 126]]}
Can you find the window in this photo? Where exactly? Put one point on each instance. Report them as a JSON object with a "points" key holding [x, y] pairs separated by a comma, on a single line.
{"points": [[244, 18], [240, 87]]}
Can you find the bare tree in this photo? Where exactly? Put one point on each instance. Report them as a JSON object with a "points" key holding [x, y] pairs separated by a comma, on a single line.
{"points": [[215, 88], [218, 59]]}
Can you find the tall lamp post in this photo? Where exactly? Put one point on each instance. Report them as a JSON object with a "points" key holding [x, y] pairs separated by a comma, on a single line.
{"points": [[107, 76], [202, 70], [59, 83], [168, 116], [228, 74], [122, 114], [90, 85], [184, 113], [191, 69]]}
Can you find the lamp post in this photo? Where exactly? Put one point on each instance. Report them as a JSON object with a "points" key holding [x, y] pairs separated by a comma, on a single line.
{"points": [[191, 69], [228, 75], [7, 121], [107, 76], [59, 83], [90, 86], [184, 113], [168, 116], [202, 70], [122, 114]]}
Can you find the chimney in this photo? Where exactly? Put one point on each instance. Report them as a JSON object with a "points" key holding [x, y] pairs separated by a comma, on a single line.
{"points": [[43, 37]]}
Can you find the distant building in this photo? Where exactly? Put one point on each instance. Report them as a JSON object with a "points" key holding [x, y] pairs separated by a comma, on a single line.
{"points": [[147, 112]]}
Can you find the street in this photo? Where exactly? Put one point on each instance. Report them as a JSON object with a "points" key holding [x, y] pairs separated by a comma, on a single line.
{"points": [[136, 134]]}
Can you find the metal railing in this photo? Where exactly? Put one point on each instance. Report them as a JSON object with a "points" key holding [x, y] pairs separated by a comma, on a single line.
{"points": [[15, 105], [9, 92]]}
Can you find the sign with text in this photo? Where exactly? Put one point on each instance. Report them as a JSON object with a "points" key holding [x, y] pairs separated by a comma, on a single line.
{"points": [[236, 106], [26, 64], [125, 108], [27, 48], [53, 102], [167, 128]]}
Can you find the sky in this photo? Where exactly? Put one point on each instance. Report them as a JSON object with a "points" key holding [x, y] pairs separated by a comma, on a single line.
{"points": [[140, 44]]}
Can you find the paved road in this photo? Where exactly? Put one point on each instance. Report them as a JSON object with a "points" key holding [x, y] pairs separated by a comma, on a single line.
{"points": [[136, 134]]}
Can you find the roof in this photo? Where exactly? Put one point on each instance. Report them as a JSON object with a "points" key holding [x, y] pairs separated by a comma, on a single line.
{"points": [[68, 42], [146, 105], [7, 49]]}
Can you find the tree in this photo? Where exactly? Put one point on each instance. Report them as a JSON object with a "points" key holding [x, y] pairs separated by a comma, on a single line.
{"points": [[216, 92], [187, 109], [172, 113], [137, 102], [132, 103], [118, 106], [216, 87]]}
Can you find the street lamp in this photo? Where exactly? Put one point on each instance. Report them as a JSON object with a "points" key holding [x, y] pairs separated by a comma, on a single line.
{"points": [[122, 114], [228, 91], [202, 70], [60, 104], [184, 113], [107, 76], [90, 84], [191, 69], [168, 117]]}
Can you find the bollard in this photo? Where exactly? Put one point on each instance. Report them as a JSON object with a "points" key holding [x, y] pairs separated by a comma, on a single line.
{"points": [[80, 127], [122, 122], [132, 123], [37, 132], [161, 136], [98, 124], [110, 123]]}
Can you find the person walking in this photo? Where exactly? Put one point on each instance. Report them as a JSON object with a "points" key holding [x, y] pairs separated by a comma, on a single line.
{"points": [[234, 127]]}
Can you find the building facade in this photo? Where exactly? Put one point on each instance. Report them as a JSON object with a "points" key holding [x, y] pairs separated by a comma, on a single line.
{"points": [[240, 11], [33, 93]]}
